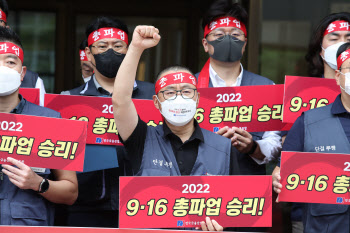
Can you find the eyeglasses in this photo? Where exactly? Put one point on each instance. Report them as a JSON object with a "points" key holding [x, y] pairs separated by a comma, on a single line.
{"points": [[187, 93], [345, 68], [217, 34], [103, 48]]}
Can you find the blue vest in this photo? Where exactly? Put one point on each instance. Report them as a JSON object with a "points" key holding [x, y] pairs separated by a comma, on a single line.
{"points": [[21, 206], [247, 165], [322, 128], [98, 190], [30, 79], [143, 90], [213, 155]]}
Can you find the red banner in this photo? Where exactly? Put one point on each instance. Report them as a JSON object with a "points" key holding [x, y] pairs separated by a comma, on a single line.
{"points": [[42, 141], [315, 177], [185, 201], [31, 94], [304, 93], [252, 108], [98, 112], [32, 229]]}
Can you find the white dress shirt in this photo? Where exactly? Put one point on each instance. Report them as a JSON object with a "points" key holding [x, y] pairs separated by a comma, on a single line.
{"points": [[270, 144], [40, 84], [219, 82]]}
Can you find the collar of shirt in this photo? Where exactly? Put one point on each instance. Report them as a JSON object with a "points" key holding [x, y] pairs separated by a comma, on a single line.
{"points": [[19, 108], [100, 88], [219, 82], [338, 107], [104, 91], [197, 133]]}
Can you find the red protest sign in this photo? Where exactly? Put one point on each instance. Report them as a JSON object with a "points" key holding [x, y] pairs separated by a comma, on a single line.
{"points": [[218, 107], [31, 94], [305, 93], [98, 112], [43, 229], [185, 201], [154, 231], [252, 108], [315, 177], [42, 141]]}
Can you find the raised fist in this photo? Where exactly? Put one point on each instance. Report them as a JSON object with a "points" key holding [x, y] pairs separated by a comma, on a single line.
{"points": [[145, 37]]}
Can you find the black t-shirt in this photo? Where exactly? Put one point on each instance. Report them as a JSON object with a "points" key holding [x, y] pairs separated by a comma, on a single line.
{"points": [[185, 153]]}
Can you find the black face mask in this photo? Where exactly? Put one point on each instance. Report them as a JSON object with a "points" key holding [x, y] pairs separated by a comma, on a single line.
{"points": [[108, 63], [227, 49]]}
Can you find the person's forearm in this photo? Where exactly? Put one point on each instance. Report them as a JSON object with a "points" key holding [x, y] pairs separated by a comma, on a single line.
{"points": [[125, 114], [124, 82], [61, 192]]}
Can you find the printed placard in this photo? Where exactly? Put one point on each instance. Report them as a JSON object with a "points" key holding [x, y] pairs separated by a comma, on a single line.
{"points": [[315, 177], [185, 201], [31, 94], [251, 108], [305, 93], [98, 112], [218, 107], [42, 229], [43, 142]]}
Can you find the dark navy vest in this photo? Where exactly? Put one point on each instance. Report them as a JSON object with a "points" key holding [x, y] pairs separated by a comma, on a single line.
{"points": [[322, 128], [26, 207], [213, 155], [247, 165], [30, 79], [143, 90], [98, 190]]}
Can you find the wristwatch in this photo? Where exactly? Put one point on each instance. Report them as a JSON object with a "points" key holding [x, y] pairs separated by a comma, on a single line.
{"points": [[44, 186], [255, 145]]}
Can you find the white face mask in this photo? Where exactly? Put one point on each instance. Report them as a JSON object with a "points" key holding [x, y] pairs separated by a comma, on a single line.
{"points": [[87, 79], [330, 54], [10, 80], [178, 111], [347, 83]]}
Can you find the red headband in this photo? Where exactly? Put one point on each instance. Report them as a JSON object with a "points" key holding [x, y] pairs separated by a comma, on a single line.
{"points": [[7, 47], [226, 21], [175, 78], [340, 25], [343, 57], [104, 33], [3, 16], [82, 55]]}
